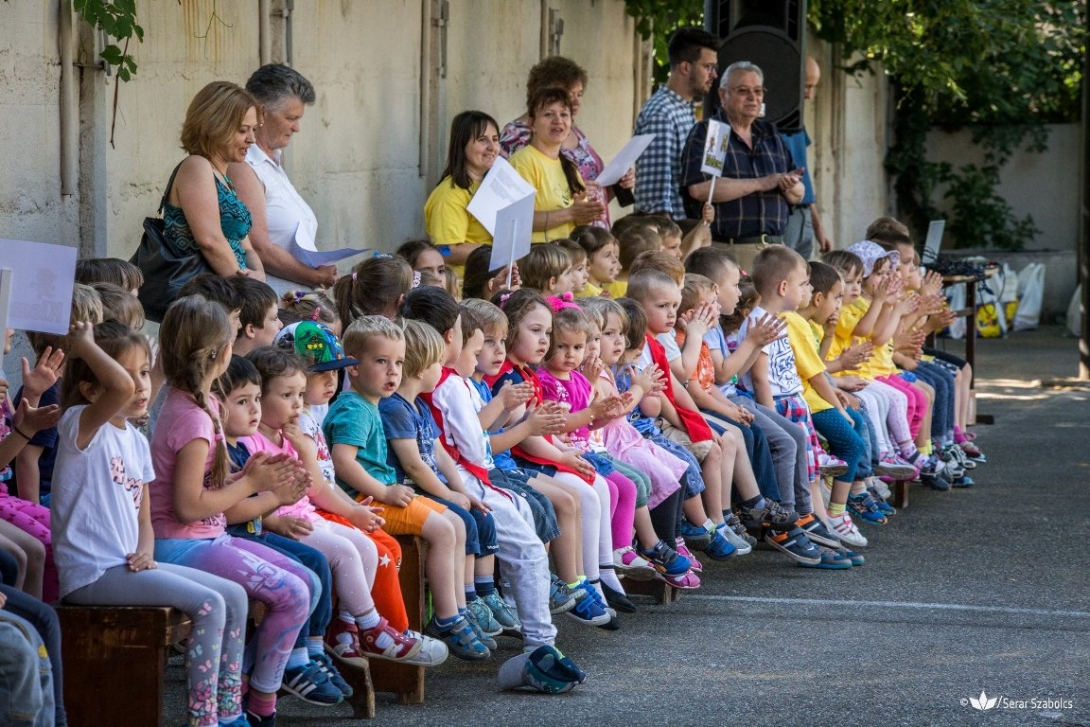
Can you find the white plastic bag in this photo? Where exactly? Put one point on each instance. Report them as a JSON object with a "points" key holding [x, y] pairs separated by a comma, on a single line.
{"points": [[1008, 298], [955, 297], [1074, 313], [1031, 293]]}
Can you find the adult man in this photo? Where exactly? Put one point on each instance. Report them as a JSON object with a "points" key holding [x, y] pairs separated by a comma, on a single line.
{"points": [[803, 224], [759, 179], [669, 116]]}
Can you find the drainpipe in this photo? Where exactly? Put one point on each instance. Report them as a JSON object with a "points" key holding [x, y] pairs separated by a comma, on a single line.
{"points": [[69, 100]]}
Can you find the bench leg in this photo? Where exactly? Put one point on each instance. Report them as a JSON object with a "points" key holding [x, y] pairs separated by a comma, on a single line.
{"points": [[900, 494], [363, 692], [405, 680], [663, 593]]}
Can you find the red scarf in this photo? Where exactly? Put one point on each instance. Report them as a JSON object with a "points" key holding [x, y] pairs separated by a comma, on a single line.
{"points": [[695, 425]]}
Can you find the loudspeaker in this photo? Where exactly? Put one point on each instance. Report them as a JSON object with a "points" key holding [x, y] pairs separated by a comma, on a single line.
{"points": [[771, 34]]}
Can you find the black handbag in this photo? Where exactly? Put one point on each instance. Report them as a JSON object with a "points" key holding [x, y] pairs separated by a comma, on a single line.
{"points": [[166, 269]]}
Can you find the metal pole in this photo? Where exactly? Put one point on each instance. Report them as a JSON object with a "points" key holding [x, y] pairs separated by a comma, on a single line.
{"points": [[1084, 248]]}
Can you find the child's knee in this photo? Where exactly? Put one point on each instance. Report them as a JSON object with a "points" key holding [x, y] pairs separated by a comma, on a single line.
{"points": [[439, 531]]}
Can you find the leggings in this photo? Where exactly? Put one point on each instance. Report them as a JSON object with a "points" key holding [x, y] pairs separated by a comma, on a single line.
{"points": [[33, 519], [267, 576], [897, 419], [639, 479], [353, 560], [44, 620], [665, 516], [845, 440], [622, 505], [597, 527], [9, 569], [942, 381], [213, 655], [876, 407], [917, 401]]}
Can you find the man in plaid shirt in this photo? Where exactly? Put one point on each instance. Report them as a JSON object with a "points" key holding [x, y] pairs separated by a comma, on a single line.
{"points": [[760, 180], [669, 116]]}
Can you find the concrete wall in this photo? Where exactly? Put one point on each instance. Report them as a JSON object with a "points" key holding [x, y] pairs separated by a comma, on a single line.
{"points": [[369, 149], [1044, 185]]}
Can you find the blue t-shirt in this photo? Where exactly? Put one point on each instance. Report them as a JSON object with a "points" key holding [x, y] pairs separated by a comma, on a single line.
{"points": [[47, 439], [501, 460], [796, 143], [354, 421], [402, 419]]}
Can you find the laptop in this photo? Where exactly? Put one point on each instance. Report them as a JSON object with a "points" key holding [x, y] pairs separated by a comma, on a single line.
{"points": [[933, 243]]}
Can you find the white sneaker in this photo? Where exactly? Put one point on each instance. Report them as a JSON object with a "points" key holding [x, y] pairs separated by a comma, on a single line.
{"points": [[741, 545], [433, 652], [880, 487], [847, 532]]}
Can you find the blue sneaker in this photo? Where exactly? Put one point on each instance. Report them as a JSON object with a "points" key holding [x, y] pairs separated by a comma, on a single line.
{"points": [[561, 599], [851, 555], [795, 544], [829, 560], [501, 611], [864, 507], [963, 481], [884, 506], [460, 638], [311, 684], [719, 548], [482, 616], [326, 665], [695, 536], [666, 560], [817, 531], [589, 609], [482, 636]]}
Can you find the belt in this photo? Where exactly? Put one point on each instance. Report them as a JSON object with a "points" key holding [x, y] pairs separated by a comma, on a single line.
{"points": [[755, 240]]}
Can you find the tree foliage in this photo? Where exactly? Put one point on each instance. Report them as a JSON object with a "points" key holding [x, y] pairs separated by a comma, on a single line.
{"points": [[118, 21]]}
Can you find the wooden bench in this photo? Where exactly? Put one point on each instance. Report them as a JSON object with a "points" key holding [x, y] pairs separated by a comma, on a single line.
{"points": [[115, 661], [404, 680], [663, 593]]}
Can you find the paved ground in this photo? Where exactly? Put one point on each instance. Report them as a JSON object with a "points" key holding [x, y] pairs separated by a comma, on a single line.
{"points": [[966, 591]]}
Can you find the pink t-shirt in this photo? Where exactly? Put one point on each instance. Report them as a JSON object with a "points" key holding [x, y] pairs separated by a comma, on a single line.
{"points": [[258, 442], [573, 391], [180, 422]]}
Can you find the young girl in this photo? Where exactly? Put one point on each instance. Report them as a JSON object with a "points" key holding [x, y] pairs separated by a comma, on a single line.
{"points": [[603, 263], [358, 631], [376, 286], [423, 257], [548, 269], [192, 489], [562, 382], [624, 442], [579, 273], [310, 305], [529, 327], [102, 520]]}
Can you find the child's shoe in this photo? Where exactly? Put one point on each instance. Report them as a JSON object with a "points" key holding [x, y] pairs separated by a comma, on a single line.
{"points": [[740, 530], [460, 638], [795, 544], [326, 665], [310, 684], [259, 721], [696, 537], [590, 609], [831, 466], [817, 531], [878, 487], [384, 642], [880, 501], [343, 644], [864, 507], [501, 611], [719, 548], [829, 560], [672, 567], [741, 545], [483, 637], [855, 558], [694, 565], [433, 652], [482, 616], [630, 564], [972, 451], [561, 599], [773, 515], [963, 481], [618, 600], [847, 532], [893, 466]]}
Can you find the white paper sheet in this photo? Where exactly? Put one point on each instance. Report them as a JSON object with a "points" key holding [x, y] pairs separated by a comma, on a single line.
{"points": [[42, 278], [514, 227], [303, 249], [501, 187], [715, 148], [624, 160]]}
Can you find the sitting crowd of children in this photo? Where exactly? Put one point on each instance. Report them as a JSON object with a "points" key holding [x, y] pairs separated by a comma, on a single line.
{"points": [[630, 401]]}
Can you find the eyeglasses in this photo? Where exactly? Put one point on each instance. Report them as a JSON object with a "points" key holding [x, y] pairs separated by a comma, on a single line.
{"points": [[710, 67], [746, 91]]}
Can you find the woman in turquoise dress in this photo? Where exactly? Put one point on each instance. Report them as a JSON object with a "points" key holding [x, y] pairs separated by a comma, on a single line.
{"points": [[203, 212]]}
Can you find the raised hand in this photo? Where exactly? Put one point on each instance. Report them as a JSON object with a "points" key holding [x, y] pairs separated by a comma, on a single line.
{"points": [[766, 329], [50, 366], [35, 419]]}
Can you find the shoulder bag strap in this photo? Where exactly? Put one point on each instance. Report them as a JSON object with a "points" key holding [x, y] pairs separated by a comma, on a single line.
{"points": [[170, 184]]}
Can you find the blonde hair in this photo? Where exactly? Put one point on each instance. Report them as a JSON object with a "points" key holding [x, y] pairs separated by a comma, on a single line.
{"points": [[489, 316], [664, 262], [598, 309], [312, 305], [86, 308], [694, 287], [361, 330], [213, 117], [423, 347], [543, 263], [120, 305], [197, 330]]}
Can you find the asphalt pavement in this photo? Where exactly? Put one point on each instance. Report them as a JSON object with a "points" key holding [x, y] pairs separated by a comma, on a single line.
{"points": [[973, 591]]}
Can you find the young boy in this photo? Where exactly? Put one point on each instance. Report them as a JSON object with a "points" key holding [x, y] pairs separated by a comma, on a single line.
{"points": [[258, 318], [353, 427], [782, 279]]}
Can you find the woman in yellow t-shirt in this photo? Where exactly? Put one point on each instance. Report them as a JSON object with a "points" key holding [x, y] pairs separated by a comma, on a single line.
{"points": [[562, 201], [474, 146]]}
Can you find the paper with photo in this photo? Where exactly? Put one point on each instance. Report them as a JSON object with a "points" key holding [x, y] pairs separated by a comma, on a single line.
{"points": [[514, 227], [501, 187], [624, 160], [303, 249], [715, 148], [44, 274]]}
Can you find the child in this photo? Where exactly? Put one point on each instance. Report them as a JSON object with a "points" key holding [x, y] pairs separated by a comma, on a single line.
{"points": [[121, 273], [411, 435], [481, 282], [633, 241], [548, 269], [782, 280], [423, 257], [24, 526], [671, 236], [309, 305], [119, 304], [358, 631], [376, 286], [529, 319], [322, 352], [559, 501], [580, 275], [623, 441], [102, 520], [523, 562], [259, 314], [192, 490], [602, 262], [353, 427]]}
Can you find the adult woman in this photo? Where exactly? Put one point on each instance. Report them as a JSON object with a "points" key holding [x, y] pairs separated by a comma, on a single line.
{"points": [[560, 72], [203, 212], [474, 146], [263, 185], [561, 202]]}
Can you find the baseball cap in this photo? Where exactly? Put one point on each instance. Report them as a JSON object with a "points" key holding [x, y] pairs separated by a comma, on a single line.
{"points": [[545, 669], [315, 344]]}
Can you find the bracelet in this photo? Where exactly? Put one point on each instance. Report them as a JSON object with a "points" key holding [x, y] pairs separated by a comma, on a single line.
{"points": [[20, 432]]}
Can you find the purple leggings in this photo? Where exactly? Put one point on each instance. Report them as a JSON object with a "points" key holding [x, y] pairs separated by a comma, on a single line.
{"points": [[33, 519], [622, 501]]}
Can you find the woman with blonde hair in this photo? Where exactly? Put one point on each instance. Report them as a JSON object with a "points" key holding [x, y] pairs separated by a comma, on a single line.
{"points": [[203, 213]]}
